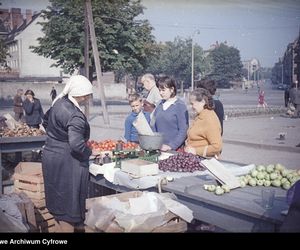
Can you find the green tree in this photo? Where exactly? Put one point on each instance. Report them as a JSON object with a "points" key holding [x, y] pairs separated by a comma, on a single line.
{"points": [[3, 52], [175, 58], [225, 63], [124, 42]]}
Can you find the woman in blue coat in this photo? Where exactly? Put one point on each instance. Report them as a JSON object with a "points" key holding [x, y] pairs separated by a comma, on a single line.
{"points": [[170, 116], [66, 155]]}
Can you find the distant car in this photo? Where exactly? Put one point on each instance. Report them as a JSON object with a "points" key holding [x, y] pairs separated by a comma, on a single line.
{"points": [[282, 86]]}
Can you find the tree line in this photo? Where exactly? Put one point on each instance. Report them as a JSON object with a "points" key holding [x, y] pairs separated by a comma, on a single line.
{"points": [[126, 44]]}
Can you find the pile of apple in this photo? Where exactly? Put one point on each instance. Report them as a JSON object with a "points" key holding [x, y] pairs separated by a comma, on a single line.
{"points": [[271, 175]]}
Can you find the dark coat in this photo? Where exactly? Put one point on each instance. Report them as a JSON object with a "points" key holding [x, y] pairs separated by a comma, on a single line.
{"points": [[18, 104], [219, 110], [53, 94], [33, 112], [65, 161]]}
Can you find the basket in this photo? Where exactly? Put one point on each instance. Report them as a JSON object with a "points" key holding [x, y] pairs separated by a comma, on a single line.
{"points": [[151, 142]]}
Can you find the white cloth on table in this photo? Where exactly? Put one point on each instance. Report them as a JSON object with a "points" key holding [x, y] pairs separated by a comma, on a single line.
{"points": [[118, 177]]}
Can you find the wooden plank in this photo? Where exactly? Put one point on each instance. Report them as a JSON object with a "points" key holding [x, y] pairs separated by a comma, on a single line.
{"points": [[39, 203], [30, 178], [218, 170], [6, 140], [43, 217], [42, 210], [29, 208], [29, 186], [46, 224], [34, 195]]}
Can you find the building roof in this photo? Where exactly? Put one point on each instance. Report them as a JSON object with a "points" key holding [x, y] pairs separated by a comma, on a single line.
{"points": [[15, 32]]}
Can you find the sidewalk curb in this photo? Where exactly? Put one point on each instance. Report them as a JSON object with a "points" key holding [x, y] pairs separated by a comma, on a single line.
{"points": [[264, 146]]}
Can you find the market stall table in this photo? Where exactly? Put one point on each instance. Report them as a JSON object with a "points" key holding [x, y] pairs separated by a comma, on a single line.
{"points": [[237, 211], [18, 144], [240, 210]]}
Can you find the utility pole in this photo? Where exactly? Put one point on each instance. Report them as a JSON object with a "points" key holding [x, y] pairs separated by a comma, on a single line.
{"points": [[282, 73], [192, 75], [86, 56], [248, 64], [97, 60]]}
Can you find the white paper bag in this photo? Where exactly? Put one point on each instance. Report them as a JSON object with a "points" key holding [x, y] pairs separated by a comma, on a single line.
{"points": [[142, 126]]}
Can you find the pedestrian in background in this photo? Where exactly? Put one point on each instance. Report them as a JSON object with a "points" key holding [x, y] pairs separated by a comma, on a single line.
{"points": [[18, 105], [65, 158], [261, 99], [295, 99], [153, 98], [33, 110], [286, 97], [53, 93]]}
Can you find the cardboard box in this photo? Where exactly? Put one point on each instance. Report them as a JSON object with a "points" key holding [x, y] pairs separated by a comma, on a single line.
{"points": [[139, 168]]}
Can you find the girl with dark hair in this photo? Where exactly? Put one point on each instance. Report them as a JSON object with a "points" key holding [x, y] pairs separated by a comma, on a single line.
{"points": [[33, 110], [204, 134], [170, 117]]}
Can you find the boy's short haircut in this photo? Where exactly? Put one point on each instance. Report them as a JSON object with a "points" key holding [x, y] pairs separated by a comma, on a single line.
{"points": [[134, 97]]}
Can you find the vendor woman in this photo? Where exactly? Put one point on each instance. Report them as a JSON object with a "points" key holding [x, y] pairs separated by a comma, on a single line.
{"points": [[204, 134]]}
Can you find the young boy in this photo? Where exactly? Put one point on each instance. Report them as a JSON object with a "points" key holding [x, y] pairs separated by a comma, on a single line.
{"points": [[136, 104]]}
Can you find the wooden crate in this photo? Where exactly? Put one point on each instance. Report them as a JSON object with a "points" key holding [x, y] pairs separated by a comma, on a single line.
{"points": [[44, 220], [173, 224], [28, 178], [26, 208]]}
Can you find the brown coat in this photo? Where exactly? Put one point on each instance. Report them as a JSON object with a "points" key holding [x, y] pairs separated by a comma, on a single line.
{"points": [[18, 104], [204, 132]]}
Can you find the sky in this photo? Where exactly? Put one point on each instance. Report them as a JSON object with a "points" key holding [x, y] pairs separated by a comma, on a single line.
{"points": [[260, 29]]}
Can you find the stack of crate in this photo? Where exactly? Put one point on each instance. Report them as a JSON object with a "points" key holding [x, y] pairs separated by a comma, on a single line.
{"points": [[28, 178]]}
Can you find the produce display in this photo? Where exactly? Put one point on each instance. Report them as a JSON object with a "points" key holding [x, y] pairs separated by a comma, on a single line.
{"points": [[110, 145], [181, 162], [218, 190], [271, 175], [22, 130]]}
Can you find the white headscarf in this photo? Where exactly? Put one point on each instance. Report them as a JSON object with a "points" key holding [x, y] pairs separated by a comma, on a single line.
{"points": [[76, 86]]}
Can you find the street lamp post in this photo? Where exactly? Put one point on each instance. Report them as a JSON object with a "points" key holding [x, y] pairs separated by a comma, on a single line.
{"points": [[192, 75], [282, 73]]}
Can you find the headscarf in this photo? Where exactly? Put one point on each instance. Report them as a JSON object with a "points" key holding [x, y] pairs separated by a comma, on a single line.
{"points": [[76, 86]]}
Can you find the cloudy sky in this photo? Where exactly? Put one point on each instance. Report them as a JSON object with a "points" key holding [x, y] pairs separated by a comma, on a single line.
{"points": [[260, 29]]}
